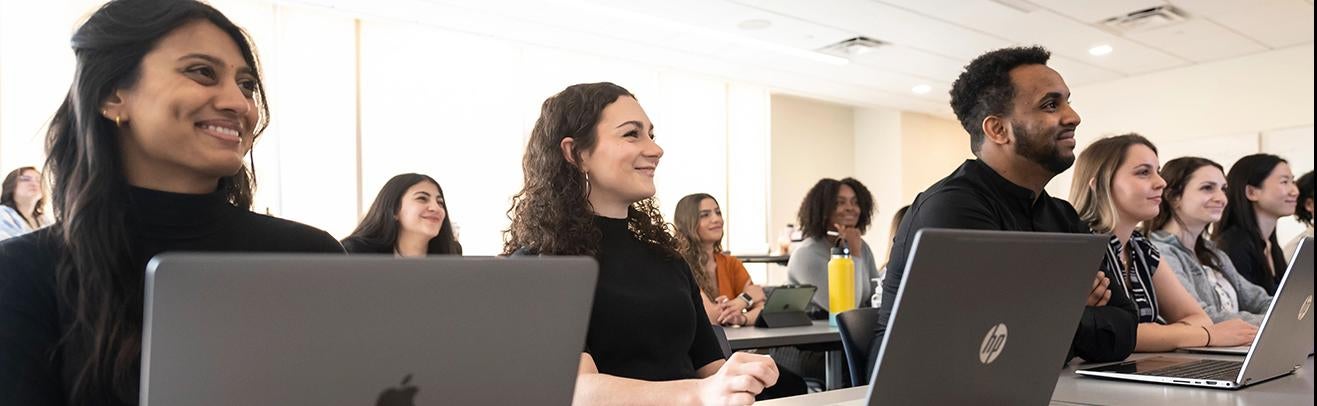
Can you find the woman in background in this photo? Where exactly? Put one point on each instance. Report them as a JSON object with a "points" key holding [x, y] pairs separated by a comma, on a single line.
{"points": [[1194, 198], [409, 218], [22, 203], [1261, 191]]}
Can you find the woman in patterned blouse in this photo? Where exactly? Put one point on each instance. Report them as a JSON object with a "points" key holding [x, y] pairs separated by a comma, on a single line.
{"points": [[1116, 187]]}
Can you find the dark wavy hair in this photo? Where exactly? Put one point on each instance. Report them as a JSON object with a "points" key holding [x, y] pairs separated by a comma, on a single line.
{"points": [[686, 227], [1176, 173], [551, 214], [96, 276], [821, 200], [379, 228], [10, 185], [1305, 194], [985, 89], [1248, 171]]}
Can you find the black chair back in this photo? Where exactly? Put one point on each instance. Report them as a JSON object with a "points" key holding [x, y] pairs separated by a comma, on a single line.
{"points": [[856, 328], [722, 340]]}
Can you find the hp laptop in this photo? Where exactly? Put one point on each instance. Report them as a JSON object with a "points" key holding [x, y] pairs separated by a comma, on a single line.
{"points": [[1281, 346], [984, 317], [260, 329]]}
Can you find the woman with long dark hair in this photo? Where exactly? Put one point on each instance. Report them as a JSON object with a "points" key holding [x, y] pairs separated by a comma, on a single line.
{"points": [[409, 218], [1194, 198], [588, 190], [22, 203], [1262, 190], [729, 296], [145, 156]]}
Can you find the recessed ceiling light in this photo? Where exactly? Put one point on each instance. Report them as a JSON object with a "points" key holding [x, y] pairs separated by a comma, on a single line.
{"points": [[1100, 50], [921, 89], [754, 24]]}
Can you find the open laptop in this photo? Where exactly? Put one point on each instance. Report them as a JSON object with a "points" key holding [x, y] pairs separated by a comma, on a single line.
{"points": [[984, 317], [307, 329], [1239, 349], [1283, 342]]}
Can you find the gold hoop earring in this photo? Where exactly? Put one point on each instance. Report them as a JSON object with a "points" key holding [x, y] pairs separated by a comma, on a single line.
{"points": [[587, 184]]}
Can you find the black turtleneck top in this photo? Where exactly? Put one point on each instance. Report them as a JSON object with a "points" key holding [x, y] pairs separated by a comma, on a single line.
{"points": [[647, 320], [35, 369]]}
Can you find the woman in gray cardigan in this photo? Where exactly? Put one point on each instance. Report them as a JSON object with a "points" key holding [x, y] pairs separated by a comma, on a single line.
{"points": [[1194, 198]]}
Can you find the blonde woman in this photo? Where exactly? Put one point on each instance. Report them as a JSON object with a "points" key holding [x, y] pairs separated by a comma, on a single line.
{"points": [[1116, 187]]}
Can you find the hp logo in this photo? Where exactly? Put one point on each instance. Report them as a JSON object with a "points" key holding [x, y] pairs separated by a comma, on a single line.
{"points": [[1307, 305], [993, 344]]}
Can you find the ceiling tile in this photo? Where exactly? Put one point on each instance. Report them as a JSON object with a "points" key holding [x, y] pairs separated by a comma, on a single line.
{"points": [[1198, 40], [1096, 11], [1276, 23]]}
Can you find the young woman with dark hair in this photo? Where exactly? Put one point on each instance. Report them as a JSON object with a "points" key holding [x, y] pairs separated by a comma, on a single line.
{"points": [[1261, 191], [589, 186], [1303, 213], [22, 203], [409, 218], [145, 156], [1194, 198]]}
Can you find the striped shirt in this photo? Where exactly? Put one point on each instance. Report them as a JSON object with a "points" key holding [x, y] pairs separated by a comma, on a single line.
{"points": [[1136, 278]]}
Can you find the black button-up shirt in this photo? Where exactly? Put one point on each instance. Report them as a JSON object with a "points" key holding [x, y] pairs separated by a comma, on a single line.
{"points": [[976, 197]]}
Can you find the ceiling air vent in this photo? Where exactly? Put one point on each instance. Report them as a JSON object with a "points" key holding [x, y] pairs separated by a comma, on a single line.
{"points": [[853, 47], [1146, 19]]}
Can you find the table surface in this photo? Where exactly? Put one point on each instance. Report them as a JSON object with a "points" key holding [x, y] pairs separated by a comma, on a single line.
{"points": [[742, 338], [1072, 389]]}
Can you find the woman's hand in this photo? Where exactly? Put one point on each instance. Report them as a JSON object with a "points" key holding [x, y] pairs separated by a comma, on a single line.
{"points": [[743, 376]]}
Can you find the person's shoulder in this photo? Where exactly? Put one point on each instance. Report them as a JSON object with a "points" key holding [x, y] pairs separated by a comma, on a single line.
{"points": [[288, 234], [30, 257], [360, 245]]}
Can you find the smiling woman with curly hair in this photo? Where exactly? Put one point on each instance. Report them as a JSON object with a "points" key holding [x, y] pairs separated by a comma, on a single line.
{"points": [[589, 187]]}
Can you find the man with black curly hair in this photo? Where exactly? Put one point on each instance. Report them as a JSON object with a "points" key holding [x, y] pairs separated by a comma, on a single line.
{"points": [[1017, 113]]}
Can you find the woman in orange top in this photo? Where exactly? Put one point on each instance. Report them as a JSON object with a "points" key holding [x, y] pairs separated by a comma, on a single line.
{"points": [[730, 297]]}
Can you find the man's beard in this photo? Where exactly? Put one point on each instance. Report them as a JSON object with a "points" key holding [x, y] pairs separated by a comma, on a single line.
{"points": [[1040, 150]]}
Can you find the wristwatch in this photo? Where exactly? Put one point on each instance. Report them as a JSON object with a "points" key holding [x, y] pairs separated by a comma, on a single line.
{"points": [[749, 301]]}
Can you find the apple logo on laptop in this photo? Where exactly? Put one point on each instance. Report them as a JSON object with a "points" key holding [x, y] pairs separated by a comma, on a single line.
{"points": [[993, 344], [1307, 305], [402, 395]]}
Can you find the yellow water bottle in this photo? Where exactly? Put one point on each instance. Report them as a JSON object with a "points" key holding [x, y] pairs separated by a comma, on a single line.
{"points": [[841, 283]]}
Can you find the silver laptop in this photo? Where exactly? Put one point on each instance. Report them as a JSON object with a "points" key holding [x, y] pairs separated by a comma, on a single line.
{"points": [[306, 329], [1283, 342], [984, 317]]}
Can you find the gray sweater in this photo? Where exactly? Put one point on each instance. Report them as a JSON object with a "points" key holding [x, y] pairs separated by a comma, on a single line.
{"points": [[1253, 300], [809, 266]]}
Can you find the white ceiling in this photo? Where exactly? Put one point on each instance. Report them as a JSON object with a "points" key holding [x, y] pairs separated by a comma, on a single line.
{"points": [[930, 40]]}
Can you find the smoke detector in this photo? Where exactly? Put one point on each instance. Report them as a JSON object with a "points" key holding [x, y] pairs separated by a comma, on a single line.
{"points": [[853, 47], [1146, 19]]}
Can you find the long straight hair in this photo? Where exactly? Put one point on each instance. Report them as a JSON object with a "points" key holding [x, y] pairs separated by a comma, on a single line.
{"points": [[1176, 173], [96, 277], [1248, 171], [380, 227], [686, 226], [1095, 173], [10, 186]]}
